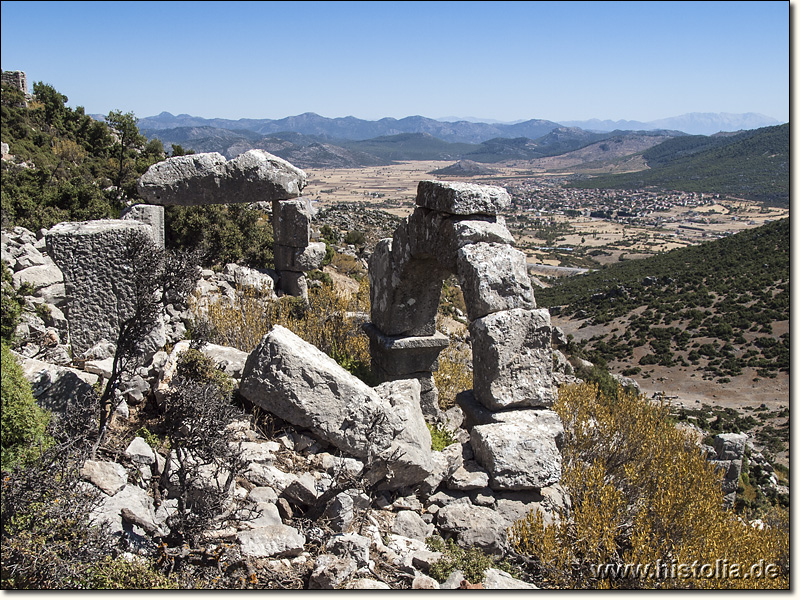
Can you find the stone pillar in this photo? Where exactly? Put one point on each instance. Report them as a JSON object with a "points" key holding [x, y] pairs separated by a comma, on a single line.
{"points": [[294, 252], [151, 214], [456, 228], [97, 279]]}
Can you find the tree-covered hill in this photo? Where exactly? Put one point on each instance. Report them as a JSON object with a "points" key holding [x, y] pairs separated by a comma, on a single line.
{"points": [[752, 165], [66, 166], [712, 306]]}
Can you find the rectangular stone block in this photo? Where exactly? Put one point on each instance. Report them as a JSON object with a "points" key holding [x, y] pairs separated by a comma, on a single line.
{"points": [[291, 222], [521, 453], [494, 277], [289, 258], [512, 359], [97, 278], [152, 215], [458, 198]]}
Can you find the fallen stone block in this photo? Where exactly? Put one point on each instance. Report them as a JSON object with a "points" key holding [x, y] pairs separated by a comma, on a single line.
{"points": [[302, 385]]}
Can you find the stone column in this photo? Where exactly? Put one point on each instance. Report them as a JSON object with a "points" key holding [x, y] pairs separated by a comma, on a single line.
{"points": [[294, 252]]}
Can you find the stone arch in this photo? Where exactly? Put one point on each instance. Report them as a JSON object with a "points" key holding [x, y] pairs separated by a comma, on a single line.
{"points": [[456, 229]]}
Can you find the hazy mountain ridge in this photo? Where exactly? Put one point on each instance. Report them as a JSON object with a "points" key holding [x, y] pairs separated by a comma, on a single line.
{"points": [[351, 128], [691, 123]]}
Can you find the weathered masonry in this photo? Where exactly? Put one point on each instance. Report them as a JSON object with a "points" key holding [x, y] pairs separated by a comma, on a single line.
{"points": [[456, 229]]}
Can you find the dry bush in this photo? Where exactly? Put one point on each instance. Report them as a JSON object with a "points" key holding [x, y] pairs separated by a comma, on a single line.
{"points": [[642, 493], [330, 321], [454, 374]]}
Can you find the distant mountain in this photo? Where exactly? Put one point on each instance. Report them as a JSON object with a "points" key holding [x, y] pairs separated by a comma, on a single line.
{"points": [[691, 123], [753, 165], [351, 128]]}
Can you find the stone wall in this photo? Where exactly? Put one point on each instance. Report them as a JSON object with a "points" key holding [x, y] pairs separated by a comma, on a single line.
{"points": [[16, 78]]}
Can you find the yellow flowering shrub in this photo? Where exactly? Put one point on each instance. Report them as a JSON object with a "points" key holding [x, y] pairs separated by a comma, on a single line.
{"points": [[645, 508]]}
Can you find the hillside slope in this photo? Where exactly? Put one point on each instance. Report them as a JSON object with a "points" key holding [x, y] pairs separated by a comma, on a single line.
{"points": [[716, 309], [753, 165]]}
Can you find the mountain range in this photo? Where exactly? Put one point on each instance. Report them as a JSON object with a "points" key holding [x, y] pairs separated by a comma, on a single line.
{"points": [[691, 123]]}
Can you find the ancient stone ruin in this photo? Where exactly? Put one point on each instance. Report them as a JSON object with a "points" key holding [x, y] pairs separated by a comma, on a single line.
{"points": [[456, 229], [255, 176]]}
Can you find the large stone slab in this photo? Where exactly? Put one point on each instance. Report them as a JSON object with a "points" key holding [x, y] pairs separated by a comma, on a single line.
{"points": [[512, 359], [299, 383], [207, 178], [522, 451], [97, 278], [458, 198], [493, 277]]}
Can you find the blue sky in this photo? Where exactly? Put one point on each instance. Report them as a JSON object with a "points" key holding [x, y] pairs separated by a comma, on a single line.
{"points": [[495, 60]]}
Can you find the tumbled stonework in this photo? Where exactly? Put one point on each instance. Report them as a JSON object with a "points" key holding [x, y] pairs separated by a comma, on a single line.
{"points": [[97, 278]]}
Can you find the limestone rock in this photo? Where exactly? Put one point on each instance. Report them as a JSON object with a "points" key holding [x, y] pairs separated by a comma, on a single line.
{"points": [[272, 540], [330, 572], [475, 525], [495, 579], [409, 524], [512, 359], [288, 258], [291, 222], [299, 383], [56, 388], [493, 277], [458, 198], [110, 477], [522, 451], [730, 446], [140, 452], [150, 214], [207, 178]]}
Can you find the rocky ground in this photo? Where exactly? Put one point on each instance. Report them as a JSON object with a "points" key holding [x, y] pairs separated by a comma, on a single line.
{"points": [[304, 508]]}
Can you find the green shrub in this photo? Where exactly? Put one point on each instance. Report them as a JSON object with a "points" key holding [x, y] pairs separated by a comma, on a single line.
{"points": [[473, 562], [24, 423], [441, 437]]}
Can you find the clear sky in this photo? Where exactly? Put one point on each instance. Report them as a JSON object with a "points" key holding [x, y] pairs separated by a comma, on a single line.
{"points": [[495, 60]]}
